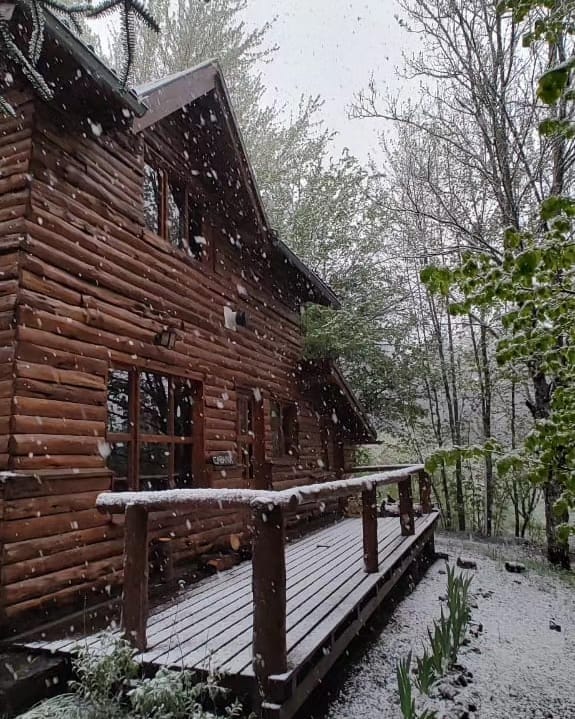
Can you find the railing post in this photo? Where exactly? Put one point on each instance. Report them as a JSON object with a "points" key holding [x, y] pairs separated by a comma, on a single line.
{"points": [[369, 521], [406, 516], [135, 597], [425, 492], [269, 595]]}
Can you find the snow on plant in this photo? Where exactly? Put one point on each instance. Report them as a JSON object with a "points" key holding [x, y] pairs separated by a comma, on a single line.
{"points": [[445, 640], [109, 685]]}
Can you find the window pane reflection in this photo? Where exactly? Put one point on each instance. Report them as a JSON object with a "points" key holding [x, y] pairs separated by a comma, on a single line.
{"points": [[152, 198], [118, 459], [154, 403], [118, 401], [183, 465], [183, 403], [154, 466]]}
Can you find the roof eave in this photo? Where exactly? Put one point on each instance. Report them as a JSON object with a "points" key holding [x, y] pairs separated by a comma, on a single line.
{"points": [[88, 60]]}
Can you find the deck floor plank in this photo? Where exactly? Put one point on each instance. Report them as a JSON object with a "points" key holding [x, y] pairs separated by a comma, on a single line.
{"points": [[223, 609], [342, 558], [236, 658]]}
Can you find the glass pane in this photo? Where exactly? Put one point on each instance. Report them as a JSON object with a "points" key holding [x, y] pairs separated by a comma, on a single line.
{"points": [[175, 216], [276, 429], [118, 459], [198, 242], [290, 429], [183, 404], [118, 401], [154, 403], [152, 198], [245, 411], [246, 456], [154, 466], [183, 465]]}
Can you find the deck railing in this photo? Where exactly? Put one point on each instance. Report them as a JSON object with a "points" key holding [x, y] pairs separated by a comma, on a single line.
{"points": [[268, 553]]}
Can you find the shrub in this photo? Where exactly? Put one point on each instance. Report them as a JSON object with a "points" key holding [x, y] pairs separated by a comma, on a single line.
{"points": [[109, 685]]}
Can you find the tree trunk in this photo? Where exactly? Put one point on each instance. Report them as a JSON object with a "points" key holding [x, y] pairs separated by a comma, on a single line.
{"points": [[557, 548]]}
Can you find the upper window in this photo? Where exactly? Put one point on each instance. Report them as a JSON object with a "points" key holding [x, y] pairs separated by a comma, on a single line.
{"points": [[151, 429], [284, 426], [171, 213]]}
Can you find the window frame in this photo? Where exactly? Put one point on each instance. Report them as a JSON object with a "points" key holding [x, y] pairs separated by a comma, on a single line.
{"points": [[136, 437], [171, 181]]}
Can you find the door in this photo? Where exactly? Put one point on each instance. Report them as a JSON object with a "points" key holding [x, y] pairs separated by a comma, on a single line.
{"points": [[251, 439]]}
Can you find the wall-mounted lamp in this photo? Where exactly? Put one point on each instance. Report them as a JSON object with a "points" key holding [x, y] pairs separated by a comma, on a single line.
{"points": [[166, 338]]}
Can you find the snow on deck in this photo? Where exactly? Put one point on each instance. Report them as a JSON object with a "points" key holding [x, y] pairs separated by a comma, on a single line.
{"points": [[208, 626]]}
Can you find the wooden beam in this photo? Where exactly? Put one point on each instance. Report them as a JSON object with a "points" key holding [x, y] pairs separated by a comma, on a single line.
{"points": [[406, 514], [135, 597], [269, 596], [369, 521], [115, 503], [425, 492]]}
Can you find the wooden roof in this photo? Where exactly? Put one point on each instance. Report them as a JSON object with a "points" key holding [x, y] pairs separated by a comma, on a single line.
{"points": [[172, 93], [326, 375]]}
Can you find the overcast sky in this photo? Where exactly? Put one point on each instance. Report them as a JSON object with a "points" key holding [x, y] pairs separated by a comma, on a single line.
{"points": [[330, 47]]}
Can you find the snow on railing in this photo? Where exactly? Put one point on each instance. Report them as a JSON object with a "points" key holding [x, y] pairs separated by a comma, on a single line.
{"points": [[116, 502]]}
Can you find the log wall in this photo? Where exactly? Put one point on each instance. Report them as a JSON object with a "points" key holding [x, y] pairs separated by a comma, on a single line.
{"points": [[85, 287]]}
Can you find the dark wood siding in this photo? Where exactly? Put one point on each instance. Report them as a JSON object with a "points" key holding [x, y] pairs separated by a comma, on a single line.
{"points": [[92, 288]]}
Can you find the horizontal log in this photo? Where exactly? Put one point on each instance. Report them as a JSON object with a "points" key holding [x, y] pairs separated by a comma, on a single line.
{"points": [[116, 502], [74, 557], [45, 373], [39, 527], [101, 585], [50, 583], [27, 387], [21, 552], [62, 461], [37, 407], [56, 425], [52, 504], [61, 359], [53, 444]]}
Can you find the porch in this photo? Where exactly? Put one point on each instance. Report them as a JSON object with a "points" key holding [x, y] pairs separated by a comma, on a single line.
{"points": [[273, 629]]}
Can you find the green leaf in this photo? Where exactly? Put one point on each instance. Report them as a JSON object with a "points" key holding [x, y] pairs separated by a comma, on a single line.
{"points": [[553, 83]]}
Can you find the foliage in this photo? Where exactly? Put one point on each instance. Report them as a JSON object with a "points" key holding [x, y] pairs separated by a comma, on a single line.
{"points": [[406, 700], [109, 685], [534, 287], [425, 672], [102, 676], [459, 609], [445, 641], [26, 59], [528, 279]]}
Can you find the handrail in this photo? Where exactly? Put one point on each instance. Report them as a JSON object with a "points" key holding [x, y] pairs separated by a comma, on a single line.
{"points": [[117, 502], [377, 468], [268, 508]]}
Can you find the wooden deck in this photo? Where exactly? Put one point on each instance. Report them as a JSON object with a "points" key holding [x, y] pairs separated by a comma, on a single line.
{"points": [[208, 626]]}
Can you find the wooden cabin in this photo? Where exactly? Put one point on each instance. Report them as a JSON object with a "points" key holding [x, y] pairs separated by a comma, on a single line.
{"points": [[150, 328]]}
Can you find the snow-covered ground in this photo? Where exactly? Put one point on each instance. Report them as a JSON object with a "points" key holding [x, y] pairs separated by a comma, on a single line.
{"points": [[521, 668]]}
